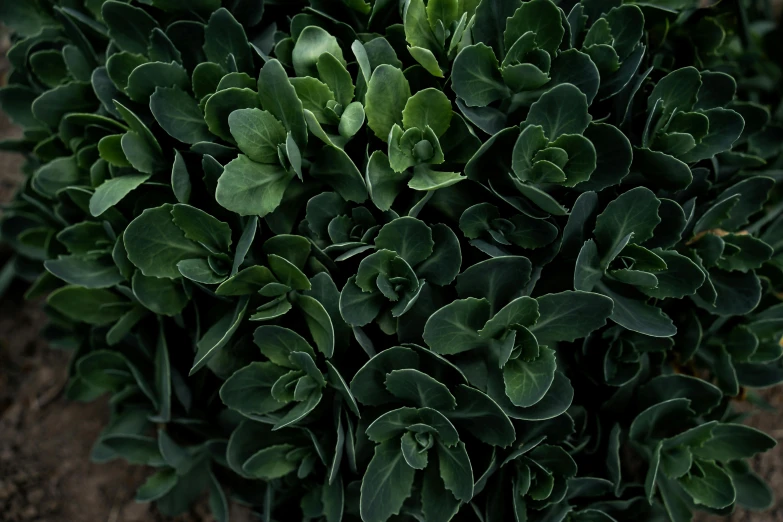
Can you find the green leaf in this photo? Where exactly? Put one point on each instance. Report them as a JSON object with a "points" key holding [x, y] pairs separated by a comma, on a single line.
{"points": [[527, 381], [560, 110], [222, 104], [198, 270], [51, 106], [500, 280], [218, 335], [734, 442], [737, 293], [271, 463], [310, 45], [542, 17], [179, 115], [661, 169], [88, 305], [443, 265], [725, 128], [522, 311], [147, 77], [388, 93], [157, 485], [709, 486], [386, 483], [225, 37], [567, 316], [613, 156], [368, 385], [429, 107], [357, 307], [248, 281], [455, 327], [319, 323], [203, 228], [491, 17], [752, 492], [427, 60], [112, 191], [288, 273], [279, 97], [129, 27], [680, 278], [418, 30], [56, 175], [333, 73], [753, 193], [481, 416], [257, 133], [476, 76], [409, 237], [277, 344], [87, 270], [420, 388], [383, 183], [155, 244], [437, 503], [660, 418], [455, 470], [315, 95], [677, 91], [635, 314], [415, 455], [206, 78], [634, 213], [333, 166], [351, 120], [162, 296], [249, 188]]}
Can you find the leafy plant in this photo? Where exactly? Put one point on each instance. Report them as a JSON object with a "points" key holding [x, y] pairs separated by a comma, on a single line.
{"points": [[421, 260]]}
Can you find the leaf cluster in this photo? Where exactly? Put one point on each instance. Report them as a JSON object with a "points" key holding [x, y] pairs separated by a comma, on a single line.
{"points": [[429, 260]]}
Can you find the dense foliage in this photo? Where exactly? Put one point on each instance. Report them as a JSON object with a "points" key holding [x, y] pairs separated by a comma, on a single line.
{"points": [[484, 260]]}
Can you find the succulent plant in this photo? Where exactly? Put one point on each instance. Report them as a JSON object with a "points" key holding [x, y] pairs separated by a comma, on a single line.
{"points": [[422, 260]]}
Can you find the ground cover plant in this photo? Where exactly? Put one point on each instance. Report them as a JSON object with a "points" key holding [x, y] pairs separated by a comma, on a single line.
{"points": [[481, 260]]}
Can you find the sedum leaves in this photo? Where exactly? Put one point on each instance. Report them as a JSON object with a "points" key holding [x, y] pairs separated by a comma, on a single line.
{"points": [[441, 260]]}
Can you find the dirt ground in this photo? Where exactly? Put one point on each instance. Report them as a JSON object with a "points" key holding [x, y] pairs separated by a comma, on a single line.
{"points": [[45, 441]]}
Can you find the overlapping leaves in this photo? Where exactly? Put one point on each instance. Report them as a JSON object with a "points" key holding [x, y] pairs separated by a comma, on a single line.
{"points": [[434, 259]]}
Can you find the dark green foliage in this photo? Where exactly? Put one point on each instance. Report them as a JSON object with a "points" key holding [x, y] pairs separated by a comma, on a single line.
{"points": [[486, 260]]}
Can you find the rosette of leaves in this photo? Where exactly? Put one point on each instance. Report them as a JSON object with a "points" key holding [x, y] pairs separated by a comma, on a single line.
{"points": [[437, 32], [408, 254], [556, 146], [521, 50], [617, 356], [274, 140], [339, 229], [426, 414], [288, 386], [325, 87], [412, 126], [292, 458], [617, 264], [693, 460], [174, 149], [611, 34], [506, 345], [687, 122], [496, 235], [744, 356], [532, 483]]}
